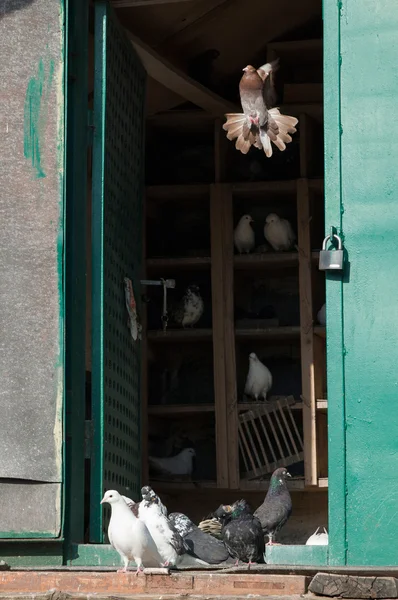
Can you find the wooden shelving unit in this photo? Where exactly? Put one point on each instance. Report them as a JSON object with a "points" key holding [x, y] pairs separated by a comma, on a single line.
{"points": [[304, 195]]}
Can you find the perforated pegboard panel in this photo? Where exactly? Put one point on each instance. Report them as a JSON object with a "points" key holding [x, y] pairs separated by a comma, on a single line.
{"points": [[118, 161]]}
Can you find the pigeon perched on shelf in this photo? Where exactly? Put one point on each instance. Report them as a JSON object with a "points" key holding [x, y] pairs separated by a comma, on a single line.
{"points": [[244, 239], [259, 124], [279, 233], [321, 316], [129, 536], [200, 544], [189, 309], [242, 533], [168, 541], [277, 506], [180, 464], [318, 539], [259, 379]]}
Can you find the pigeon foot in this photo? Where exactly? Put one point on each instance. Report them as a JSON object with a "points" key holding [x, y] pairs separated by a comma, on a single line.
{"points": [[237, 563], [124, 570], [139, 569]]}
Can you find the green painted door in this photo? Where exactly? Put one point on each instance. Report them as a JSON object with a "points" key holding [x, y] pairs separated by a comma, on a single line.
{"points": [[361, 91], [117, 213]]}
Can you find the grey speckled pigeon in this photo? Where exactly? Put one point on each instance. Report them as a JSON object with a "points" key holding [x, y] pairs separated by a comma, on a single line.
{"points": [[200, 544], [277, 506], [241, 533]]}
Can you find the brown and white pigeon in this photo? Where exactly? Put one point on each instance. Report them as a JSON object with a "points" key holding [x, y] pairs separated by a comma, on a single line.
{"points": [[259, 124]]}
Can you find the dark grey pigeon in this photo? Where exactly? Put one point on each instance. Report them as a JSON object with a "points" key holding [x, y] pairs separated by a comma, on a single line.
{"points": [[198, 543], [241, 533], [277, 505]]}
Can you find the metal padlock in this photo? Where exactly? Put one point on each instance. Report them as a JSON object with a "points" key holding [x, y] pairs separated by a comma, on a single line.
{"points": [[331, 260]]}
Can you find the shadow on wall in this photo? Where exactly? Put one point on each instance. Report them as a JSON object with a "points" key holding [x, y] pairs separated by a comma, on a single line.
{"points": [[8, 6]]}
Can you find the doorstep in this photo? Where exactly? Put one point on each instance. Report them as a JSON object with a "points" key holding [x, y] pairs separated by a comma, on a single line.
{"points": [[192, 583]]}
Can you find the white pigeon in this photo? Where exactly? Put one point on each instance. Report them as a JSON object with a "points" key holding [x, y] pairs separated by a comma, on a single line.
{"points": [[278, 232], [168, 541], [321, 316], [244, 235], [128, 535], [259, 379], [318, 539], [180, 464]]}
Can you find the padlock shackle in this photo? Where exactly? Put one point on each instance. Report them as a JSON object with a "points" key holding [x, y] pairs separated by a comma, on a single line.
{"points": [[329, 237]]}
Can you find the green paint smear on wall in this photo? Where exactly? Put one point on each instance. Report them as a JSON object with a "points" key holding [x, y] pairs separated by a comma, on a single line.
{"points": [[34, 120]]}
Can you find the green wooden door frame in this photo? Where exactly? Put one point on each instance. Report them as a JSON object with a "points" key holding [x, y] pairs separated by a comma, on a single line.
{"points": [[75, 262], [334, 288]]}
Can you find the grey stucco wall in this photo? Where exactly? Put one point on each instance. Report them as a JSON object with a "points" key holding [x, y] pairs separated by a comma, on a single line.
{"points": [[31, 262]]}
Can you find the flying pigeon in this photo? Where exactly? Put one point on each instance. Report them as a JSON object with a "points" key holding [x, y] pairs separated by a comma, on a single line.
{"points": [[189, 309], [168, 541], [128, 535], [318, 539], [278, 232], [259, 124], [277, 506], [200, 544], [180, 464], [244, 235], [242, 533], [259, 379], [321, 316]]}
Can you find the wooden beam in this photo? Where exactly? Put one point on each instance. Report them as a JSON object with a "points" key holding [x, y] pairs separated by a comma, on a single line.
{"points": [[134, 3], [176, 80], [219, 347], [229, 336], [307, 334]]}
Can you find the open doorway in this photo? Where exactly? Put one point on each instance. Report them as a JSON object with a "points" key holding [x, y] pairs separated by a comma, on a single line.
{"points": [[197, 187]]}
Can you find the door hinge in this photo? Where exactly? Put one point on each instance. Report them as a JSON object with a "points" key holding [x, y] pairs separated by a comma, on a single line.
{"points": [[90, 127], [88, 438]]}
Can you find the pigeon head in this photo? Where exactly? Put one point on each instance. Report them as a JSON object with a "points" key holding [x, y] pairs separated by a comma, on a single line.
{"points": [[246, 219], [223, 513], [193, 288], [149, 495], [272, 218], [111, 497], [278, 478], [239, 508], [249, 69], [253, 356], [187, 454]]}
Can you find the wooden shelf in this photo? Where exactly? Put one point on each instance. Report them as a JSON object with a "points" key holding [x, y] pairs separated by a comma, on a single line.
{"points": [[194, 262], [321, 405], [259, 187], [288, 332], [269, 259], [179, 335], [242, 406], [177, 192], [179, 409], [180, 486], [294, 485]]}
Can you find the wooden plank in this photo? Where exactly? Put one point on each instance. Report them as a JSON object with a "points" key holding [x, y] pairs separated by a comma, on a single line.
{"points": [[176, 80], [144, 366], [217, 291], [194, 262], [282, 462], [294, 485], [306, 326], [179, 335], [288, 332], [179, 409], [304, 150], [229, 339], [135, 3], [252, 187], [220, 151]]}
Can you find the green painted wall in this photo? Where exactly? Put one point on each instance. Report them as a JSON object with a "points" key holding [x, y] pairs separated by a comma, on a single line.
{"points": [[361, 91]]}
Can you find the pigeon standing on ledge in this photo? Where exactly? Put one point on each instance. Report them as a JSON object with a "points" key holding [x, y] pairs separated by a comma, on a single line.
{"points": [[259, 379], [242, 533], [244, 235], [168, 541], [279, 233], [199, 544], [189, 309], [128, 535], [180, 464], [277, 506]]}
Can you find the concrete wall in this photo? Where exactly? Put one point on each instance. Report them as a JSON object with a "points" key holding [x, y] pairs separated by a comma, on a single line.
{"points": [[31, 266]]}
